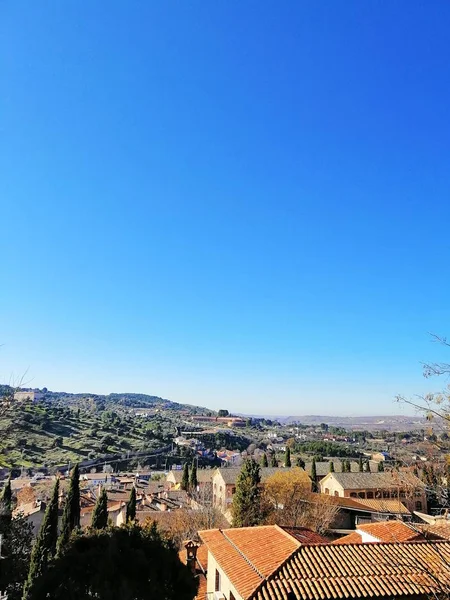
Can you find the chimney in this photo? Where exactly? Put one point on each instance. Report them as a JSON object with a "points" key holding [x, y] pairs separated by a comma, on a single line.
{"points": [[191, 555]]}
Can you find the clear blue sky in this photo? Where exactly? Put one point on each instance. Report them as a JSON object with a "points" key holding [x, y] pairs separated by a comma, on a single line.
{"points": [[236, 204]]}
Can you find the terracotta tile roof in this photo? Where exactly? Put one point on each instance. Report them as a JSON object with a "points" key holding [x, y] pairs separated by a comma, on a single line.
{"points": [[305, 536], [387, 479], [391, 531], [342, 502], [249, 554], [384, 506], [439, 529], [351, 538], [336, 571], [230, 474]]}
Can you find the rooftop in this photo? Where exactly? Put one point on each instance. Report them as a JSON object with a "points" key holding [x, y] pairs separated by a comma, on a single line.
{"points": [[247, 555], [337, 571], [391, 531], [230, 474], [393, 507], [387, 479], [384, 506], [323, 467]]}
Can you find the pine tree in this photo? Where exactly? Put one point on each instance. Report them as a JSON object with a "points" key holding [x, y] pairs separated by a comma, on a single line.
{"points": [[360, 464], [185, 478], [131, 506], [44, 548], [193, 481], [287, 457], [100, 513], [380, 467], [273, 460], [331, 466], [246, 506], [71, 514], [314, 475], [264, 461]]}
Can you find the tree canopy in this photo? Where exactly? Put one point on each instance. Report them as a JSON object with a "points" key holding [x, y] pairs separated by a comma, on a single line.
{"points": [[128, 562], [44, 548], [100, 512], [131, 506], [246, 506], [71, 514]]}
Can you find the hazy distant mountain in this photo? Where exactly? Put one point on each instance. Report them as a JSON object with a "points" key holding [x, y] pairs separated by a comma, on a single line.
{"points": [[388, 422]]}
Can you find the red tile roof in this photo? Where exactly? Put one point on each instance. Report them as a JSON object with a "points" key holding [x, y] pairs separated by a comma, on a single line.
{"points": [[338, 571], [383, 505], [249, 554], [305, 535], [391, 531], [351, 538], [439, 529]]}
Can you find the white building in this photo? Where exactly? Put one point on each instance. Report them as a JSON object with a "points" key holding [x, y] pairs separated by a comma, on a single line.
{"points": [[30, 396]]}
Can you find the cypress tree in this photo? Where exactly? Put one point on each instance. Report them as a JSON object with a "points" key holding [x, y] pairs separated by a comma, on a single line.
{"points": [[331, 466], [380, 467], [185, 478], [193, 482], [287, 457], [71, 514], [314, 475], [273, 460], [246, 506], [360, 464], [44, 548], [131, 506], [100, 513], [264, 461], [6, 503]]}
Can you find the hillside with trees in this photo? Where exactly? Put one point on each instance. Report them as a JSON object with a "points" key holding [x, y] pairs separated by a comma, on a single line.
{"points": [[63, 428]]}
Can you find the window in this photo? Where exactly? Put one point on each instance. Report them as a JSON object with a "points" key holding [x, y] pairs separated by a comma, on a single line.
{"points": [[362, 495], [217, 584], [386, 494], [418, 505], [336, 493], [327, 491], [233, 490], [353, 495], [369, 495], [232, 596]]}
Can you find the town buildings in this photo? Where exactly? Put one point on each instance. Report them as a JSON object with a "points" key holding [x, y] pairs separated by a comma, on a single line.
{"points": [[404, 488], [268, 563], [224, 484]]}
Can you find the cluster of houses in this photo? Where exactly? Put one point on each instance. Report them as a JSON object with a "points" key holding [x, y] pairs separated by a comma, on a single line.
{"points": [[389, 559], [382, 544]]}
